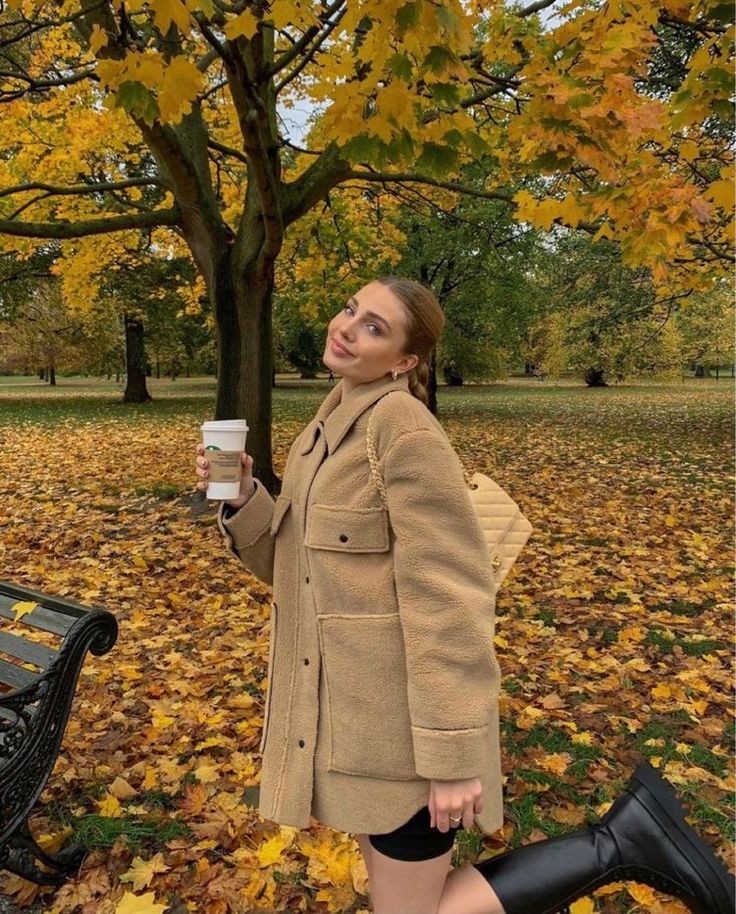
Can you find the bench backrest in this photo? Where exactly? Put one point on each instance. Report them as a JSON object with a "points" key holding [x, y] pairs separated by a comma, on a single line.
{"points": [[38, 679], [52, 616]]}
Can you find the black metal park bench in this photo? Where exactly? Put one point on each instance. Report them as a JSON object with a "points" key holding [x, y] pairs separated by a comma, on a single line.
{"points": [[37, 685]]}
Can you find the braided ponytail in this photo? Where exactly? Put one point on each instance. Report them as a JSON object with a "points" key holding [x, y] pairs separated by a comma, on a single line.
{"points": [[424, 324], [418, 379]]}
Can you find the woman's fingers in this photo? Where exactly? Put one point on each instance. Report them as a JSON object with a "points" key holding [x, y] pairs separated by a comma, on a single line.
{"points": [[202, 467]]}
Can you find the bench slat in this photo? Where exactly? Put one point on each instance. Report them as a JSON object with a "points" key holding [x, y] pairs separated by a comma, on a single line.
{"points": [[42, 618], [30, 651], [62, 605], [15, 676]]}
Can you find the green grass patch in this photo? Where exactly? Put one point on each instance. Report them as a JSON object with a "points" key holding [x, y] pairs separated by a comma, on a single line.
{"points": [[95, 832], [694, 647], [700, 811], [526, 816], [664, 734], [556, 784], [468, 845], [546, 614], [511, 685], [157, 799], [161, 490], [554, 739]]}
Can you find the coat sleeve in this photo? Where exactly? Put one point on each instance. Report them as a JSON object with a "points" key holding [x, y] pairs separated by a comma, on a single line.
{"points": [[446, 599], [247, 533]]}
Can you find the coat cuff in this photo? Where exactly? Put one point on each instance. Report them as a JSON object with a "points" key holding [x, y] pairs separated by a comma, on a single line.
{"points": [[450, 755], [250, 522]]}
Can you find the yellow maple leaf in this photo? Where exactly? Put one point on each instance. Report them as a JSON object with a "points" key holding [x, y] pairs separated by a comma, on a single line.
{"points": [[23, 608], [150, 780], [97, 39], [634, 633], [271, 851], [142, 871], [160, 720], [182, 82], [110, 807], [206, 773], [556, 762], [642, 894], [244, 24], [139, 904], [167, 11], [582, 906]]}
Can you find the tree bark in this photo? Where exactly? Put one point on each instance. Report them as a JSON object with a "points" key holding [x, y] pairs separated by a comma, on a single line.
{"points": [[135, 359], [245, 364], [432, 383], [594, 378]]}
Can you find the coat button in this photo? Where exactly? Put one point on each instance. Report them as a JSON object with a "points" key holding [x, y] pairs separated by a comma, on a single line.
{"points": [[306, 661], [301, 743], [306, 580], [343, 538]]}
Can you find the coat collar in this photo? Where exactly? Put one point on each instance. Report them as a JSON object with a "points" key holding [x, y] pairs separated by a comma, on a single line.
{"points": [[336, 416]]}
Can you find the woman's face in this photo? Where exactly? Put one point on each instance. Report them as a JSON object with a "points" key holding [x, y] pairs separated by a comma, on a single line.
{"points": [[370, 327]]}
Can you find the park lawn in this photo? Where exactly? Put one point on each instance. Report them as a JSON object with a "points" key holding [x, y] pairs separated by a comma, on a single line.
{"points": [[614, 630]]}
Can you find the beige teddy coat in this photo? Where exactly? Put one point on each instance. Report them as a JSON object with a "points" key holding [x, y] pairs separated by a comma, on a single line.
{"points": [[382, 672]]}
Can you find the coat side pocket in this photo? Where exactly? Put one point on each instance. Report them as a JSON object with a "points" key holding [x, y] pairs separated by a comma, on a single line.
{"points": [[269, 688], [365, 674]]}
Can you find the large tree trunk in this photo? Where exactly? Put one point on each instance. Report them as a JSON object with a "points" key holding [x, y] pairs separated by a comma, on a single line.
{"points": [[594, 377], [135, 358], [245, 358], [432, 383]]}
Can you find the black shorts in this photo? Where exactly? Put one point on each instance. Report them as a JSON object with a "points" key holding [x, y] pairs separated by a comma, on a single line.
{"points": [[416, 839]]}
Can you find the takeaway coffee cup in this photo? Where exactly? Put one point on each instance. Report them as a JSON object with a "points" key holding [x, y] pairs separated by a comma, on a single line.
{"points": [[224, 443]]}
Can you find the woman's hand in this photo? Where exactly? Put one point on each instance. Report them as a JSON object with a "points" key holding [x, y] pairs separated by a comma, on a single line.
{"points": [[247, 486], [456, 799]]}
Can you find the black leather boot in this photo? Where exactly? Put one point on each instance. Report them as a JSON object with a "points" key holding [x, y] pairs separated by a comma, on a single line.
{"points": [[642, 838]]}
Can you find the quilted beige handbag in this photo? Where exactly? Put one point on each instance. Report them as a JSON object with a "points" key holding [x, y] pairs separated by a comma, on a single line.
{"points": [[505, 528]]}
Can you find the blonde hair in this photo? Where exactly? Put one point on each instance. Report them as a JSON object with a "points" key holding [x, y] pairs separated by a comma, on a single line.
{"points": [[425, 321]]}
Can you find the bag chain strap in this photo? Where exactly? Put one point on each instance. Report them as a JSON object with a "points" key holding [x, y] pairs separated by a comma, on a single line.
{"points": [[373, 460]]}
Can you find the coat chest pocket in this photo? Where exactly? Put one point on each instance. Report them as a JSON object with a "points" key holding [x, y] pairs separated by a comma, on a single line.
{"points": [[269, 688], [342, 529], [367, 702]]}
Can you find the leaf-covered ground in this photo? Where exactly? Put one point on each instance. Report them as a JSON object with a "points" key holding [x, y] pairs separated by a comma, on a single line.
{"points": [[614, 633]]}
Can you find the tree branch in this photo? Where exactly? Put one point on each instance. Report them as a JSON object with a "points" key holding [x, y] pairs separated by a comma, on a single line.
{"points": [[54, 190], [319, 41], [535, 8], [35, 84], [227, 150], [383, 177], [87, 227]]}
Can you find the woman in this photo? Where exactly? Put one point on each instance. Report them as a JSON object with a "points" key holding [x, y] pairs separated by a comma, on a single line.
{"points": [[381, 714]]}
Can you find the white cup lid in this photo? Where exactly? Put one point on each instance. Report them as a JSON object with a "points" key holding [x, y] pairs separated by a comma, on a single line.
{"points": [[225, 425]]}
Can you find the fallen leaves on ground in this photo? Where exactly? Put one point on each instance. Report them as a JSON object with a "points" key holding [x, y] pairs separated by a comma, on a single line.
{"points": [[613, 634]]}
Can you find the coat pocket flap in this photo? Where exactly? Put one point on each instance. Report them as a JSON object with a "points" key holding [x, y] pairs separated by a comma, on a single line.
{"points": [[347, 529], [283, 503]]}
